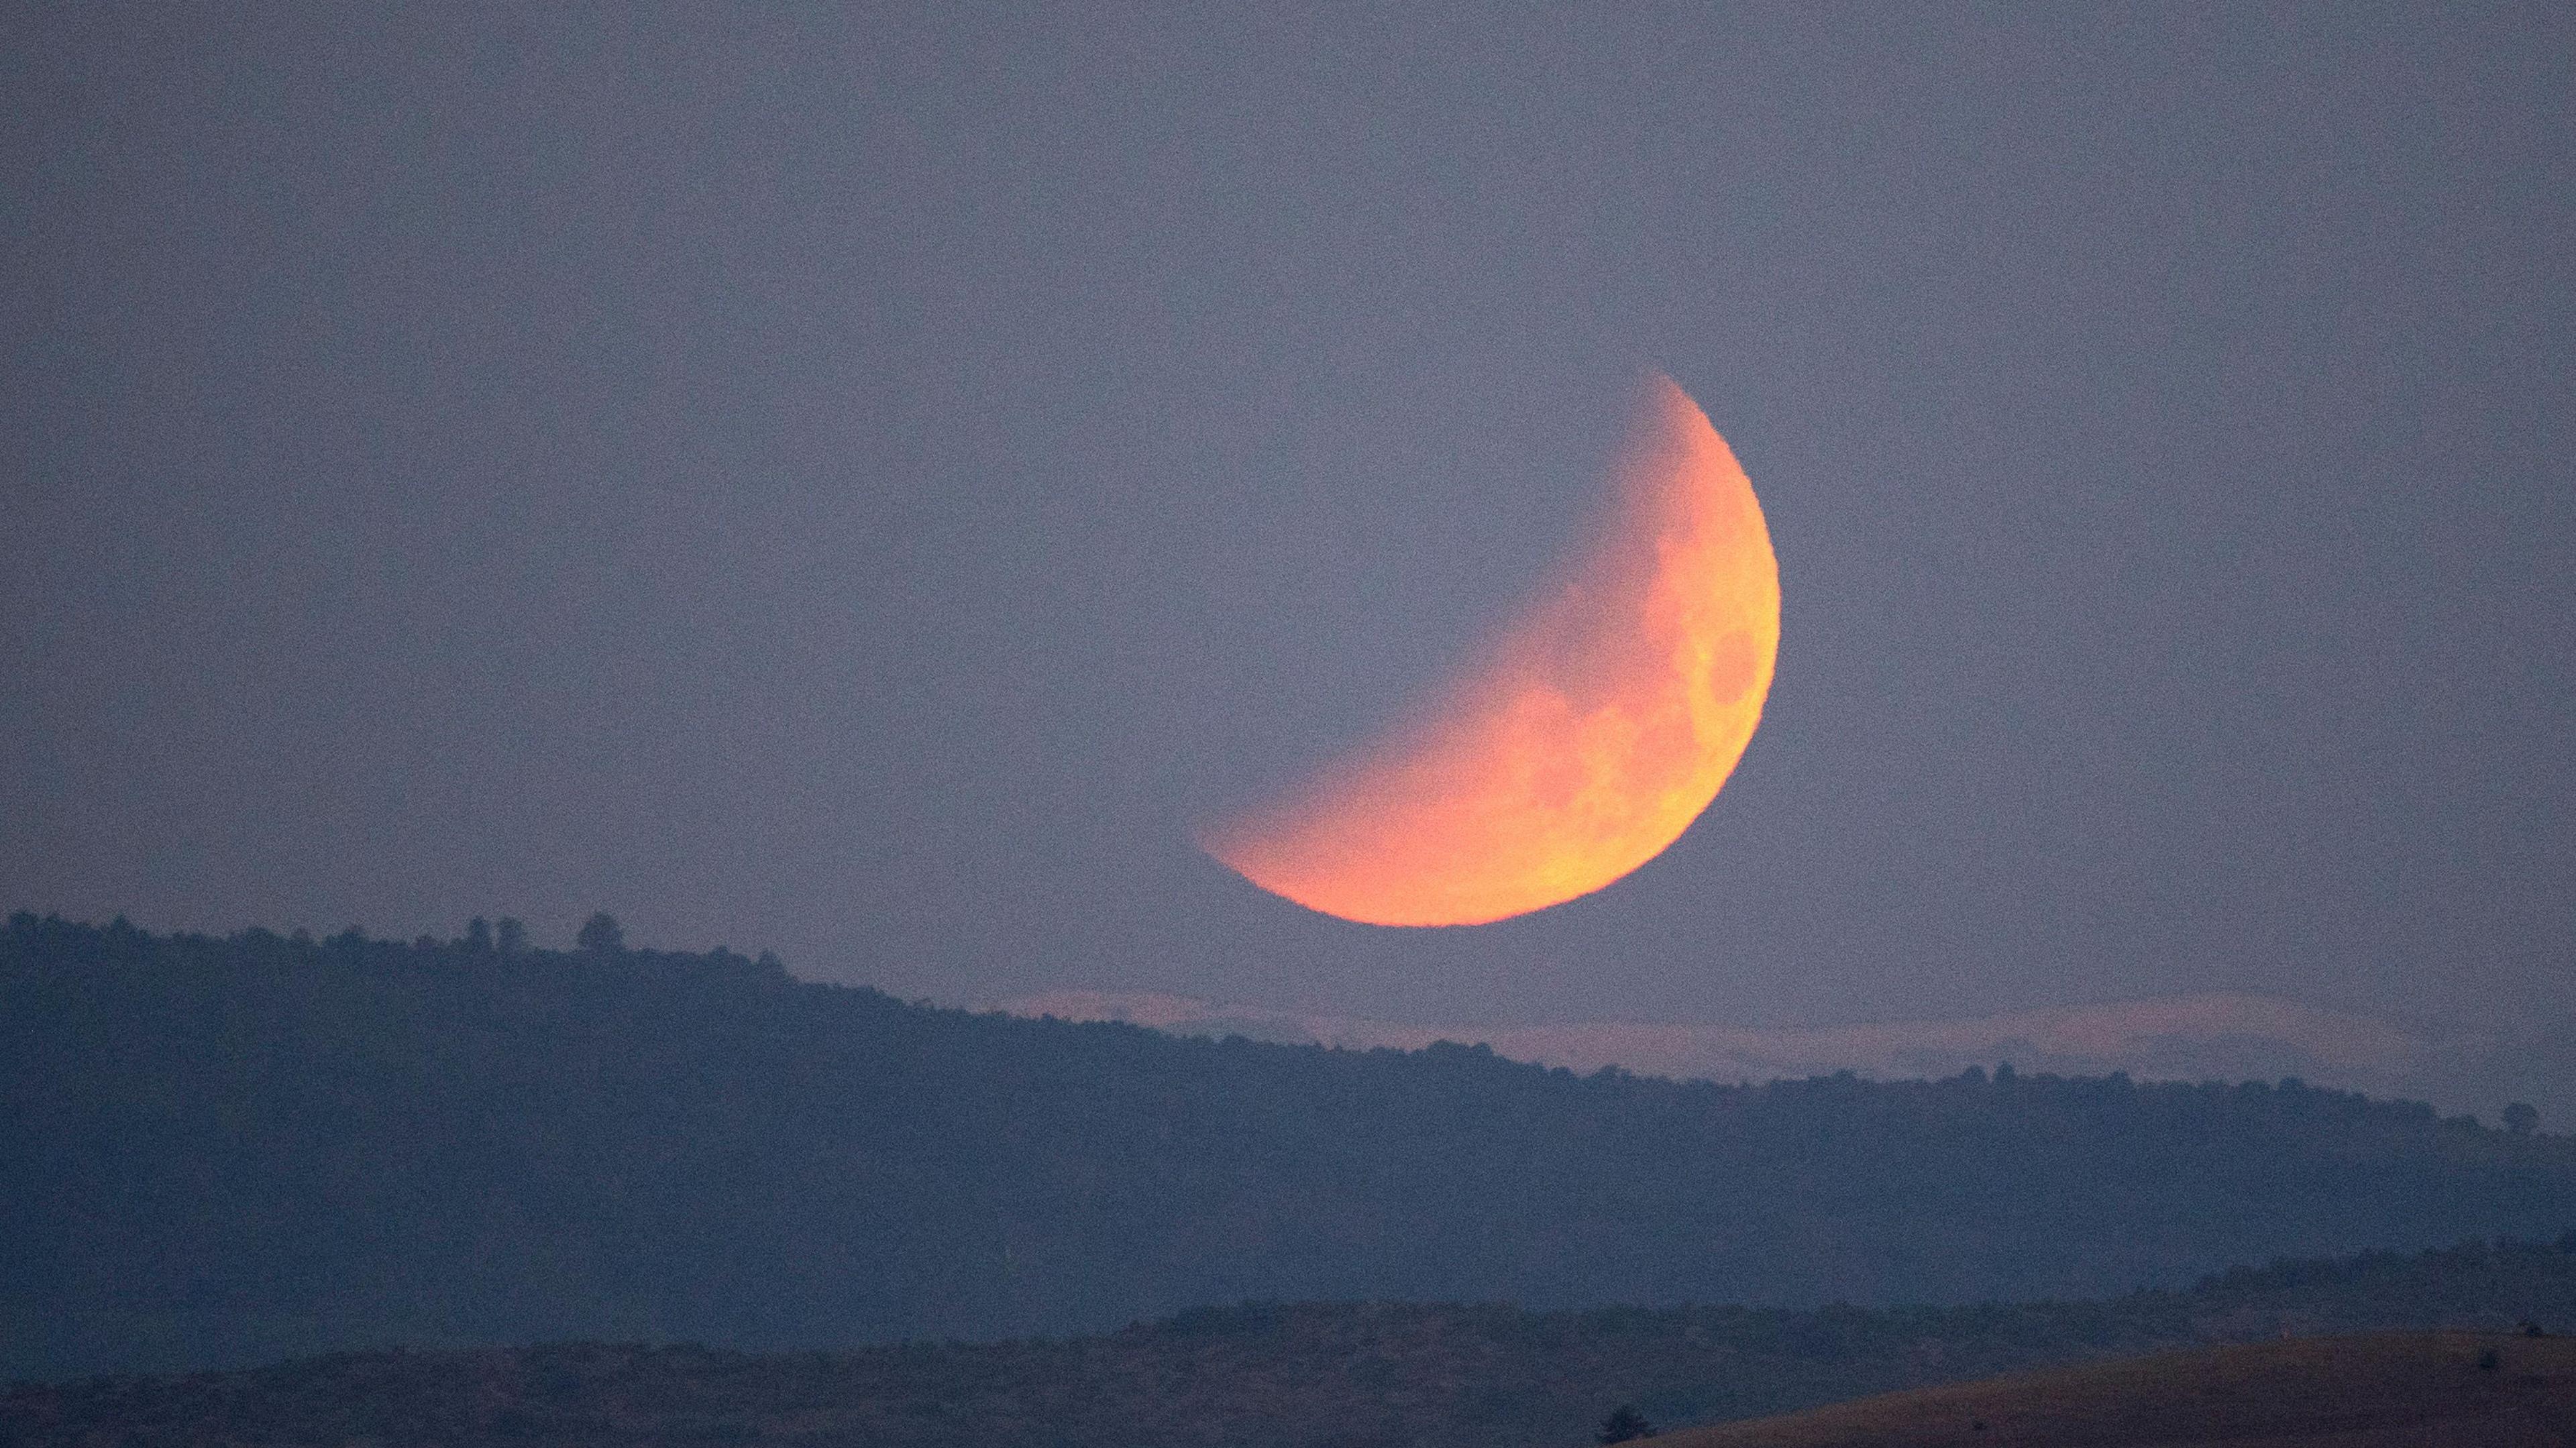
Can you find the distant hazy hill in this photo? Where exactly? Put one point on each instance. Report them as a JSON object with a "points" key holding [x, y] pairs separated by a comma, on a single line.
{"points": [[1408, 1376], [228, 1151], [2208, 1037]]}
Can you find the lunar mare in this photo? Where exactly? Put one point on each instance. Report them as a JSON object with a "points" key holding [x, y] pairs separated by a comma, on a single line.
{"points": [[1582, 742]]}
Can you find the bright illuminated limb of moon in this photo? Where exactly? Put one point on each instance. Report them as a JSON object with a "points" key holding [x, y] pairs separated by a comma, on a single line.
{"points": [[1585, 739]]}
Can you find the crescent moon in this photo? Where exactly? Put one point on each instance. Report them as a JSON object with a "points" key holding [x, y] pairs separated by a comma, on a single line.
{"points": [[1585, 739]]}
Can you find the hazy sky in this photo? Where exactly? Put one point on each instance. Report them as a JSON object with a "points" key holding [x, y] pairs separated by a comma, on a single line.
{"points": [[864, 485]]}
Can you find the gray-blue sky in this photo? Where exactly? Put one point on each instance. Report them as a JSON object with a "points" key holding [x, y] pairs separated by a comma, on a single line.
{"points": [[863, 483]]}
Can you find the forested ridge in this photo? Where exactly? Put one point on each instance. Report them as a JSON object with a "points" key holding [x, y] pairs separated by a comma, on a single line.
{"points": [[1271, 1375], [235, 1150]]}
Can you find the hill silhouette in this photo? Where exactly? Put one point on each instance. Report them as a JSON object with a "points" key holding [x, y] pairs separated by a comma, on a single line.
{"points": [[1354, 1375], [227, 1151]]}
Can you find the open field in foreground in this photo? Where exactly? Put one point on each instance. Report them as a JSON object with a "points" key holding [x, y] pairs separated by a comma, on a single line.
{"points": [[2455, 1389]]}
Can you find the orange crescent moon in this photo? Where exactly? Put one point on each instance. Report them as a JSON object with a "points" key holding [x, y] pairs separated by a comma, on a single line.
{"points": [[1595, 729]]}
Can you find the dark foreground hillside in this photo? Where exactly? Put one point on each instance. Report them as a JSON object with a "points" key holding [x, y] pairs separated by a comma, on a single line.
{"points": [[240, 1150], [1353, 1376]]}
